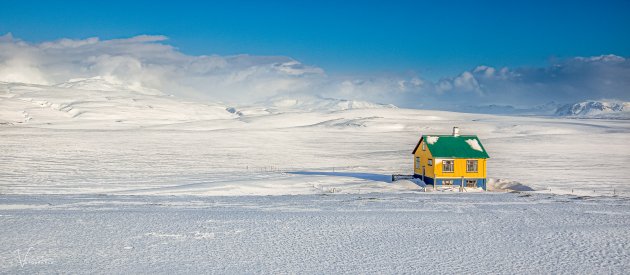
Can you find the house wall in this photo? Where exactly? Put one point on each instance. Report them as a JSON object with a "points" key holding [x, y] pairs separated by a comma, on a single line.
{"points": [[424, 161], [459, 169]]}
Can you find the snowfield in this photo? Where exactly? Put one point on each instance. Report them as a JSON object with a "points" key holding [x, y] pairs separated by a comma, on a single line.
{"points": [[60, 140], [478, 233], [96, 177]]}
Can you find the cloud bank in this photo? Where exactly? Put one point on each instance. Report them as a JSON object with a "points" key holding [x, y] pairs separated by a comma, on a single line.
{"points": [[147, 63]]}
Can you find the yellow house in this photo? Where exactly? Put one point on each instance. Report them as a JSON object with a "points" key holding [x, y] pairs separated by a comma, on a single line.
{"points": [[447, 160]]}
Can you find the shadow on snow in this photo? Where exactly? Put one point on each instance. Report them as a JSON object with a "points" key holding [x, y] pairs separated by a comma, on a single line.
{"points": [[364, 176]]}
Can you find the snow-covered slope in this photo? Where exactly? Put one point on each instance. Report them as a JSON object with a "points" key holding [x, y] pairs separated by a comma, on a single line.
{"points": [[100, 83], [544, 109], [108, 139], [304, 103], [596, 109], [97, 103]]}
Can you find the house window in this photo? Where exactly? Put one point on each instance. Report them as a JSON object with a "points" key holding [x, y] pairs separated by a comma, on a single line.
{"points": [[447, 182], [423, 147], [471, 165], [430, 162], [448, 166], [417, 162], [471, 183]]}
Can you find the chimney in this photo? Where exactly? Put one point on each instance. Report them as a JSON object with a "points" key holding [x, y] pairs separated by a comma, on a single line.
{"points": [[455, 131]]}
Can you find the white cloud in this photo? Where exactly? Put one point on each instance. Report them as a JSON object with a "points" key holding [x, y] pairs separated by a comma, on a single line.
{"points": [[467, 82], [147, 63], [485, 70], [143, 62], [69, 43], [601, 58], [565, 81]]}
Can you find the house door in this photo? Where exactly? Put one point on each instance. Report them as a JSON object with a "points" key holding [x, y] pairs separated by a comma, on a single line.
{"points": [[423, 173]]}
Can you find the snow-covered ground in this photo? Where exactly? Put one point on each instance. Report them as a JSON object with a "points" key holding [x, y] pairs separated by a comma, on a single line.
{"points": [[59, 140], [101, 178], [432, 233]]}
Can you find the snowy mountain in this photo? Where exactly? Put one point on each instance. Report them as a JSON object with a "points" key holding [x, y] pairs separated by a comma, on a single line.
{"points": [[602, 109], [95, 103], [101, 102], [305, 104], [314, 103], [498, 109], [100, 83], [596, 109]]}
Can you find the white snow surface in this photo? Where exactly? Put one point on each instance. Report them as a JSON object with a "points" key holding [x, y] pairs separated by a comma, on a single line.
{"points": [[58, 140], [100, 178], [478, 233], [432, 139], [474, 144]]}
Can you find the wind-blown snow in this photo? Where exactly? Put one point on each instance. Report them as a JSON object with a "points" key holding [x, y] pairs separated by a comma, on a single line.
{"points": [[474, 144]]}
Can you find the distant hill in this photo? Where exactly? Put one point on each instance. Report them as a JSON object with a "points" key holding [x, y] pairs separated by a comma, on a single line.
{"points": [[497, 109], [596, 109]]}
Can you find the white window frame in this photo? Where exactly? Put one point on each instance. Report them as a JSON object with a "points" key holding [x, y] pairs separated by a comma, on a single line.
{"points": [[430, 162], [452, 166], [424, 147], [476, 166], [417, 162]]}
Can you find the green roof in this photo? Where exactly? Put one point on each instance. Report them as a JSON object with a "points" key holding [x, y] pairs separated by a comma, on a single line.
{"points": [[448, 146]]}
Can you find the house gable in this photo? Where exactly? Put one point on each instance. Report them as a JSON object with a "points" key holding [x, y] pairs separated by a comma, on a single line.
{"points": [[424, 157], [417, 145]]}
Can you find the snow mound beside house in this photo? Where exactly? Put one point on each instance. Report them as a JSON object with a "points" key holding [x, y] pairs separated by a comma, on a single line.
{"points": [[506, 185]]}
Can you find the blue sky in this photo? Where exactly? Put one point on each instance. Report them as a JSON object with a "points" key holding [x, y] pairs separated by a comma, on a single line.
{"points": [[434, 38]]}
